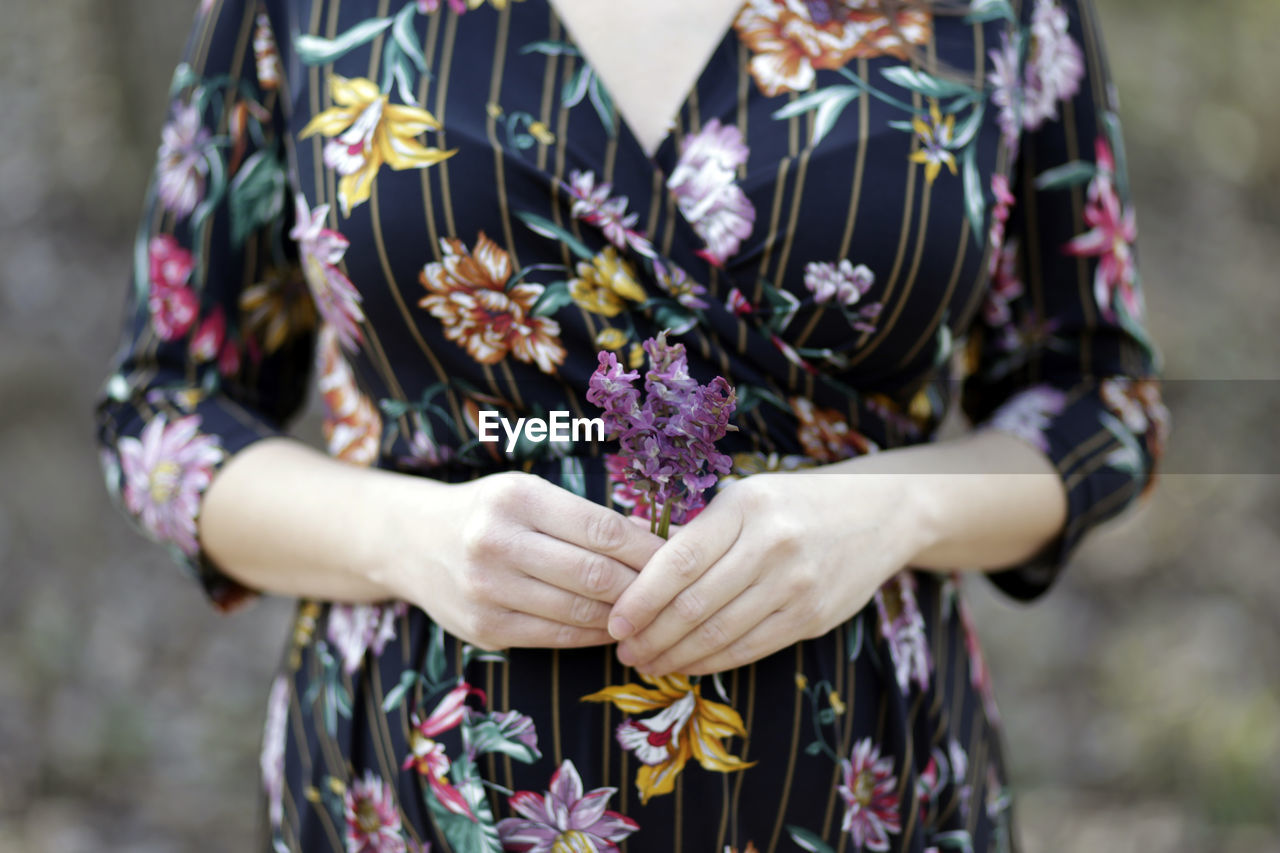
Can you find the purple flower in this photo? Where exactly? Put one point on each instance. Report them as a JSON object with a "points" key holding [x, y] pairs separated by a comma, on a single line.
{"points": [[564, 818], [668, 440]]}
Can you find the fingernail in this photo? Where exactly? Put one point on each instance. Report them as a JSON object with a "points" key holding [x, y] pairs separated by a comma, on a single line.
{"points": [[620, 628]]}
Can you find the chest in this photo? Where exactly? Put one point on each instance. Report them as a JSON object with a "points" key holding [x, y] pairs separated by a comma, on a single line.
{"points": [[810, 199], [647, 55]]}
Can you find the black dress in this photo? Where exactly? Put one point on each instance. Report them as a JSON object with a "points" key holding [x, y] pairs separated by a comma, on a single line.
{"points": [[433, 208]]}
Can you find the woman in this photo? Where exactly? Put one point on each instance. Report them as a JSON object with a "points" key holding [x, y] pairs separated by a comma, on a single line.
{"points": [[454, 211]]}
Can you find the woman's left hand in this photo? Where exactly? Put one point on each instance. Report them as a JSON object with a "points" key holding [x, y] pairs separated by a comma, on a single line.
{"points": [[773, 559]]}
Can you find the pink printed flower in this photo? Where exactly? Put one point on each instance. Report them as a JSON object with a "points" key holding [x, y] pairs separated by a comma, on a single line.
{"points": [[166, 470], [844, 281], [1006, 89], [211, 342], [322, 250], [902, 627], [1028, 413], [565, 818], [1114, 228], [271, 759], [357, 629], [870, 798], [594, 206], [1005, 288], [427, 756], [265, 53], [1055, 65], [172, 303], [704, 183], [181, 162], [373, 821], [457, 6]]}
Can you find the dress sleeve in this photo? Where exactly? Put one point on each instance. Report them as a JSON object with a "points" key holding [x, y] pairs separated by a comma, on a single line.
{"points": [[218, 325], [1060, 355]]}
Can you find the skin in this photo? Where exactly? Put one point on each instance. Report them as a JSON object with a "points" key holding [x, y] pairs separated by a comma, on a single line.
{"points": [[512, 560], [647, 85]]}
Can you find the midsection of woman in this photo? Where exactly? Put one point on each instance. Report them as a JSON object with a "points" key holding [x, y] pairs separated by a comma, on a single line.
{"points": [[843, 219]]}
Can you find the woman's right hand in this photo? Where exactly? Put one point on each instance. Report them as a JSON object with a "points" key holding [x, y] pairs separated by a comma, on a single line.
{"points": [[513, 560]]}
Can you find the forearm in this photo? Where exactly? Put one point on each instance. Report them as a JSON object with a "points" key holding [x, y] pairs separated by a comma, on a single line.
{"points": [[984, 501], [283, 517]]}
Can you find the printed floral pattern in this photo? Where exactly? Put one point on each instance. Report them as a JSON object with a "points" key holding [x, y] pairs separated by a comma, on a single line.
{"points": [[565, 818], [468, 293], [166, 470], [789, 44], [365, 132], [704, 185], [528, 238], [684, 725]]}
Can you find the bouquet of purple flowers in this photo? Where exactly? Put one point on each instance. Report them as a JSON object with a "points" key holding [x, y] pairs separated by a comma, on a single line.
{"points": [[668, 439]]}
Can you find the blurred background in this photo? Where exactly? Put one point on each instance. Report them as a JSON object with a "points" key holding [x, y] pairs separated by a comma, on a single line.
{"points": [[1141, 697]]}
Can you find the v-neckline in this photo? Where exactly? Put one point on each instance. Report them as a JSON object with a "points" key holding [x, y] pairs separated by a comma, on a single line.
{"points": [[625, 130]]}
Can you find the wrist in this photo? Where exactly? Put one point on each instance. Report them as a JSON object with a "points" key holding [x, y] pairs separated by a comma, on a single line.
{"points": [[397, 516]]}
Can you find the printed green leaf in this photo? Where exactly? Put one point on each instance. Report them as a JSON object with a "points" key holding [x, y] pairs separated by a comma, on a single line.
{"points": [[572, 477], [968, 129], [404, 36], [495, 733], [435, 655], [826, 104], [396, 694], [975, 204], [550, 48], [1067, 175], [673, 317], [575, 88], [547, 228], [603, 103], [982, 11], [257, 195], [923, 82], [807, 840], [554, 297], [217, 187], [315, 50]]}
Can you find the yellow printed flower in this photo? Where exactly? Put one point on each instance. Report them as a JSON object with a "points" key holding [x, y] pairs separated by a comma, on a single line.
{"points": [[604, 285], [636, 356], [365, 131], [539, 131], [683, 725], [611, 339], [935, 137]]}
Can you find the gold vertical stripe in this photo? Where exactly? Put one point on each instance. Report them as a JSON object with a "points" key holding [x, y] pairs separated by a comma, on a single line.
{"points": [[491, 128], [791, 754], [555, 704], [428, 209], [775, 213], [442, 92]]}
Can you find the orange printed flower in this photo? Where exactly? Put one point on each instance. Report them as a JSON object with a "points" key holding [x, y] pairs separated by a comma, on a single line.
{"points": [[825, 435], [352, 426], [683, 725], [469, 295], [789, 44]]}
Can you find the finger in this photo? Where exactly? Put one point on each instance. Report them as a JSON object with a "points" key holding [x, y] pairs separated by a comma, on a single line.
{"points": [[680, 562], [509, 628], [596, 528], [721, 630], [536, 598], [571, 568], [777, 631], [693, 606]]}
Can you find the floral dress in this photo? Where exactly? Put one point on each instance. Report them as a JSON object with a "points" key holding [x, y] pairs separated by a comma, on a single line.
{"points": [[430, 209]]}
